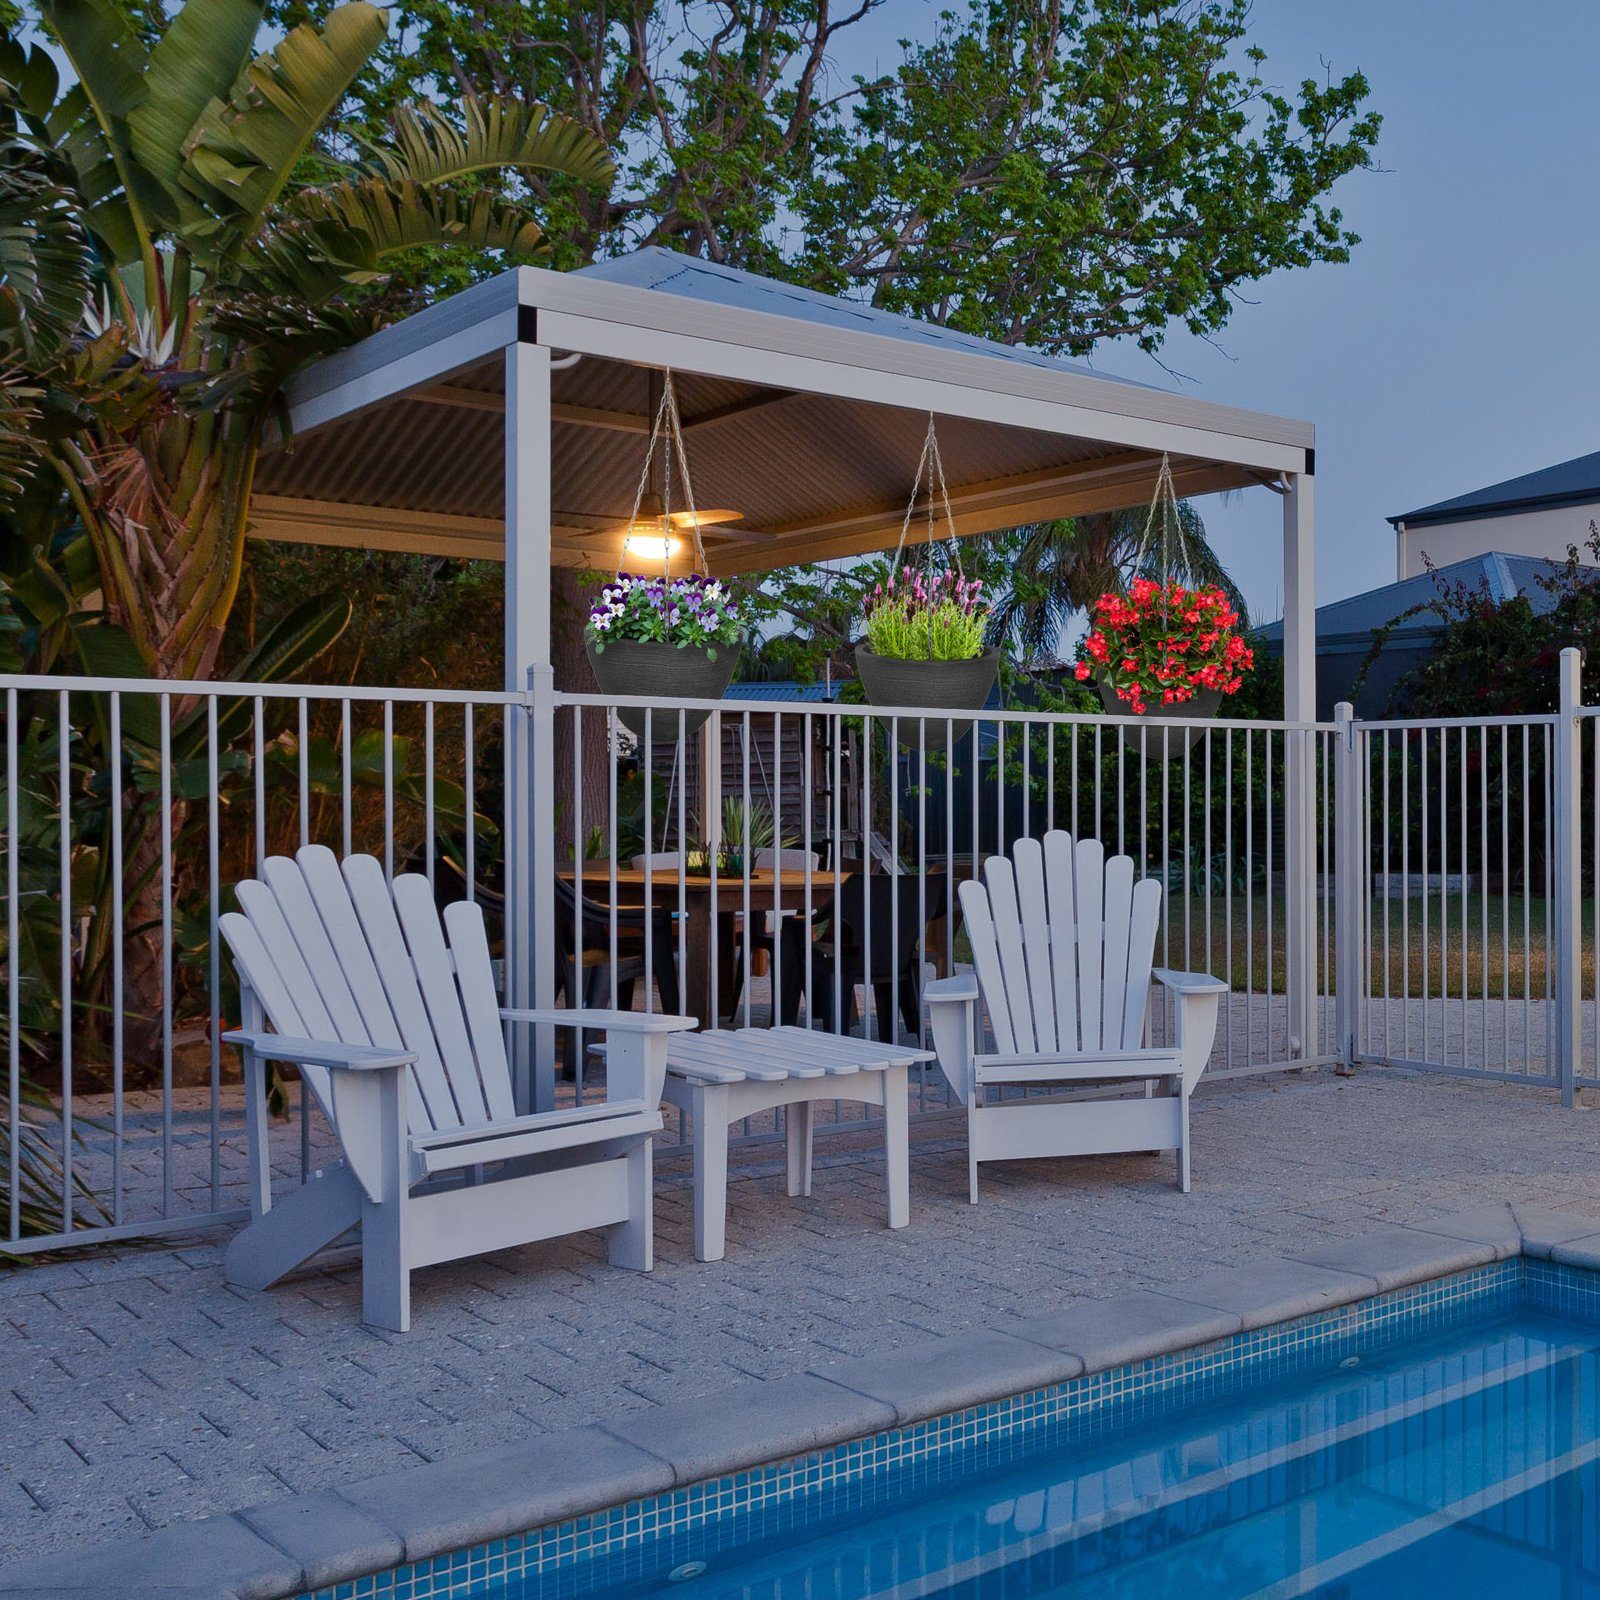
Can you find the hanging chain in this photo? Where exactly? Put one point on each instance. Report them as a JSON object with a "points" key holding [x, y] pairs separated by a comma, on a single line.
{"points": [[931, 462], [668, 428], [1165, 504]]}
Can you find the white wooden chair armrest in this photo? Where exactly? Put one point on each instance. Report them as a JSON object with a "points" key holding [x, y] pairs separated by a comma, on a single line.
{"points": [[320, 1052], [1188, 982], [963, 986], [611, 1021]]}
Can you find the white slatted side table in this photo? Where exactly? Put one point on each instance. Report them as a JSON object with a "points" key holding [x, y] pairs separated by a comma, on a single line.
{"points": [[721, 1076]]}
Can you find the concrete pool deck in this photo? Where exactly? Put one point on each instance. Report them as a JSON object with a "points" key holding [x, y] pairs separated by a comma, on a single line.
{"points": [[141, 1392]]}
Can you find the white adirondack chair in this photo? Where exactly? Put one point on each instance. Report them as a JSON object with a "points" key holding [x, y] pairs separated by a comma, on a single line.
{"points": [[396, 1028], [1063, 943]]}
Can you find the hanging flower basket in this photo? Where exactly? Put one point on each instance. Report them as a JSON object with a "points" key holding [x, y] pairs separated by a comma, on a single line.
{"points": [[665, 638], [925, 633], [1164, 653], [672, 639], [924, 647]]}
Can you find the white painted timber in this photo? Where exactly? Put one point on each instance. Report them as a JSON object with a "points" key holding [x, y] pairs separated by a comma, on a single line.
{"points": [[394, 1020], [720, 1077], [1063, 945]]}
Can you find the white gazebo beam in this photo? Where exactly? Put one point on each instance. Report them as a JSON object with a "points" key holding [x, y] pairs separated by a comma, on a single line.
{"points": [[1057, 494]]}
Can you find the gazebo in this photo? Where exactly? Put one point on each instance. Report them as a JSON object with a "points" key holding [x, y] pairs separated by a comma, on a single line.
{"points": [[509, 421]]}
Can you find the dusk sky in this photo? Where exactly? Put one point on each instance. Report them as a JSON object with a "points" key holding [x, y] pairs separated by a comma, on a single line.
{"points": [[1461, 344]]}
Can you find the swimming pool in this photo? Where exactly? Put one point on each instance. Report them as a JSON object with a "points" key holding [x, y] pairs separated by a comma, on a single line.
{"points": [[1441, 1439]]}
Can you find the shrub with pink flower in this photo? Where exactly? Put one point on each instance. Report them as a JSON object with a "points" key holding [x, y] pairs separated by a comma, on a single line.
{"points": [[1163, 644], [917, 618]]}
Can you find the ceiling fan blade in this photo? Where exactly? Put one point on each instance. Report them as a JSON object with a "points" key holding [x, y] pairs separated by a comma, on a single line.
{"points": [[707, 519]]}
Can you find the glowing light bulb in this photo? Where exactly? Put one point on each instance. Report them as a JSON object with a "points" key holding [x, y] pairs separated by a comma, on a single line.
{"points": [[650, 546]]}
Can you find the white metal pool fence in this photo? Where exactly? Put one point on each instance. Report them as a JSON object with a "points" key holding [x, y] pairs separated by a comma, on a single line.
{"points": [[1419, 893]]}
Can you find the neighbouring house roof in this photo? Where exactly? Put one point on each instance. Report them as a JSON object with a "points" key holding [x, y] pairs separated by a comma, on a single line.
{"points": [[1567, 483], [1350, 623], [785, 690], [670, 272]]}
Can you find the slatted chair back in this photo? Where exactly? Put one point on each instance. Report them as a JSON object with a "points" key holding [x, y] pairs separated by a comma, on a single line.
{"points": [[335, 953], [1063, 941]]}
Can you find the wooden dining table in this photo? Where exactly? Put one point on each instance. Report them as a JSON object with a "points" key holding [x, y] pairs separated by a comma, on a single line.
{"points": [[707, 908]]}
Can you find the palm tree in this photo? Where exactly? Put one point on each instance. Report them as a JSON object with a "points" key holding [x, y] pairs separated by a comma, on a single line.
{"points": [[1056, 570], [188, 189]]}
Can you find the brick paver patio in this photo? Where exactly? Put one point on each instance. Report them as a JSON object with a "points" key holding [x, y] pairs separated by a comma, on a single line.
{"points": [[137, 1389]]}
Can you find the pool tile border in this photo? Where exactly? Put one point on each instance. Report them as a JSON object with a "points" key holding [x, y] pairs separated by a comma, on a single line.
{"points": [[554, 1502]]}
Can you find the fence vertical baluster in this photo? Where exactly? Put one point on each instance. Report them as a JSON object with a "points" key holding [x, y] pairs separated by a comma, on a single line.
{"points": [[346, 782], [1424, 795], [427, 788], [949, 850], [214, 974], [890, 1028], [13, 984], [922, 894], [166, 955], [808, 733], [1388, 908], [1288, 976], [838, 866], [1594, 877], [745, 850], [1466, 897], [775, 963], [1563, 901], [1443, 787], [259, 778], [118, 917], [681, 758], [64, 782], [647, 814], [1227, 889], [1250, 901], [611, 861], [304, 759], [1405, 897], [1483, 897], [469, 801], [1527, 911], [868, 1011], [388, 798]]}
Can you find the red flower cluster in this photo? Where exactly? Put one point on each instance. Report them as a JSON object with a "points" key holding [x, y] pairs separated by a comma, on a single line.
{"points": [[1164, 644]]}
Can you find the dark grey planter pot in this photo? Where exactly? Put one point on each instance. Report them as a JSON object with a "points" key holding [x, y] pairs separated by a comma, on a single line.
{"points": [[638, 669], [1164, 738], [939, 685]]}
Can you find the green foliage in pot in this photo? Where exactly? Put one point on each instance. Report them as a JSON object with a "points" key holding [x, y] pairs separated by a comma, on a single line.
{"points": [[912, 618]]}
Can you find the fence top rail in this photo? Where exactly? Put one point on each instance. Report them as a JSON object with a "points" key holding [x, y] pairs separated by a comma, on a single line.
{"points": [[225, 689], [909, 714], [1543, 719]]}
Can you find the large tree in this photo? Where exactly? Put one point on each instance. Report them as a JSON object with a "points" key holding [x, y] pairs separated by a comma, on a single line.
{"points": [[1055, 172], [193, 190]]}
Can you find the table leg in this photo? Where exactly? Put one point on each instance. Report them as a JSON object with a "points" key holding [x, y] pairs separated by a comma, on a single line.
{"points": [[897, 1144], [697, 979], [797, 1123], [710, 1113]]}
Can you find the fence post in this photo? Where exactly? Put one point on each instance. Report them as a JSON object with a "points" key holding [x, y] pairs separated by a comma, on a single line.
{"points": [[1568, 880], [541, 887], [1348, 875]]}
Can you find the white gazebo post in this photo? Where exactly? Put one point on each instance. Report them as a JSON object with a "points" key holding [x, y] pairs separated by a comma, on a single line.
{"points": [[529, 845], [1300, 751]]}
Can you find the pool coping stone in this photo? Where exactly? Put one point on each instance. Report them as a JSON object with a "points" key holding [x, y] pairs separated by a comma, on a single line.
{"points": [[283, 1548]]}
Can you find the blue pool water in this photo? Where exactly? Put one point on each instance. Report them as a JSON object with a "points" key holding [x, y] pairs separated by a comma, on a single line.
{"points": [[1451, 1466]]}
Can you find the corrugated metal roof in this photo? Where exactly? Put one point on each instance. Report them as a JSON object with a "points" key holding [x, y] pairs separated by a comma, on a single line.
{"points": [[673, 273], [1567, 483], [1360, 615]]}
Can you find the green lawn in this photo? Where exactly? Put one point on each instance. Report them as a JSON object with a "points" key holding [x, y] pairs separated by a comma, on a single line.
{"points": [[1505, 963]]}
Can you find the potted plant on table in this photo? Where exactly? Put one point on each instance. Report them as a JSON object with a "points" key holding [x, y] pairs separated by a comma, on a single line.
{"points": [[1164, 652], [667, 638], [925, 647]]}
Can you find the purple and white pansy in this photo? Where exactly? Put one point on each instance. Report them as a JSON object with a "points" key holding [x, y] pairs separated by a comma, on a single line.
{"points": [[690, 612]]}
